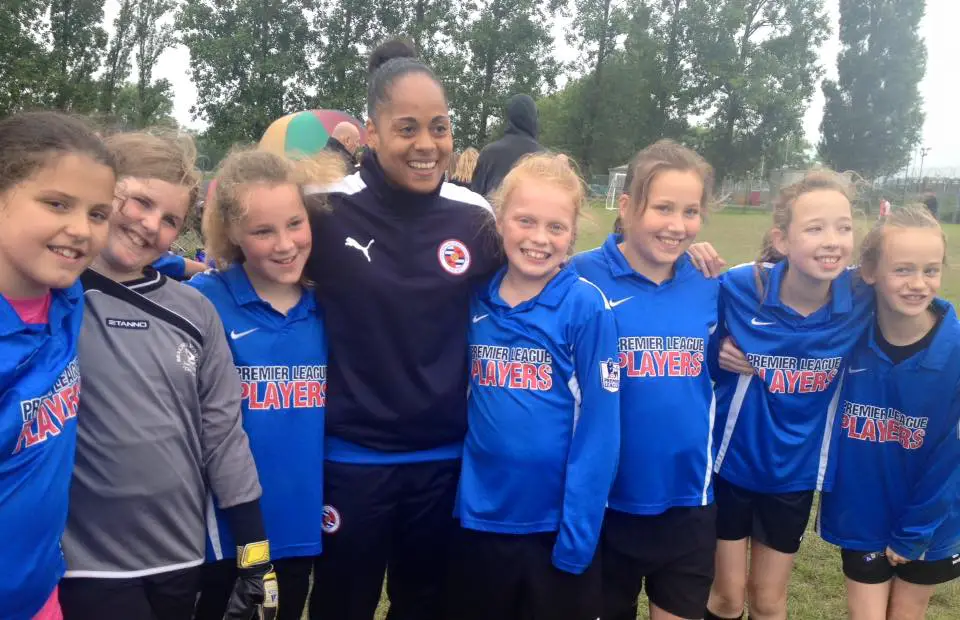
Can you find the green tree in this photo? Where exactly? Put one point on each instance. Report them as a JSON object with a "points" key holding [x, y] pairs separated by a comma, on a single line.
{"points": [[77, 40], [153, 38], [22, 55], [117, 61], [509, 51], [596, 26], [248, 62], [758, 62], [343, 31], [874, 113]]}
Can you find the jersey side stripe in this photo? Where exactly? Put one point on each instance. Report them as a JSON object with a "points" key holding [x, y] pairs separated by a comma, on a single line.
{"points": [[574, 387], [827, 434], [709, 472], [743, 382], [213, 529]]}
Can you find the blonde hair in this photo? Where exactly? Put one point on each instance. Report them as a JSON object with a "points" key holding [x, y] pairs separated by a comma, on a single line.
{"points": [[814, 180], [659, 157], [245, 167], [910, 216], [547, 167], [466, 164], [165, 156]]}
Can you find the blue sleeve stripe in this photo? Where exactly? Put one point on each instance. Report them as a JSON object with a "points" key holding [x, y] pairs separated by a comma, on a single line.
{"points": [[708, 475], [736, 405], [828, 432]]}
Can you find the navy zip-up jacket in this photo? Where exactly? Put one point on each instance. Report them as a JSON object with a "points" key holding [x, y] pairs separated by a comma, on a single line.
{"points": [[394, 272]]}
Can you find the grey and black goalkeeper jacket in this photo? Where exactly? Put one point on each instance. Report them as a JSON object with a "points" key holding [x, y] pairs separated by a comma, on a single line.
{"points": [[159, 429]]}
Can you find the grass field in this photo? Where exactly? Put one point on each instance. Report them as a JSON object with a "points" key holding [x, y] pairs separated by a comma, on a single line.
{"points": [[816, 591]]}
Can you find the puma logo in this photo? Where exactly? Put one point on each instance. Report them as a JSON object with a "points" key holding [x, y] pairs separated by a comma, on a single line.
{"points": [[365, 250]]}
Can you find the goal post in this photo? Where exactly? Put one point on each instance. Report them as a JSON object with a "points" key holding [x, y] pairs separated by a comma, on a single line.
{"points": [[614, 190]]}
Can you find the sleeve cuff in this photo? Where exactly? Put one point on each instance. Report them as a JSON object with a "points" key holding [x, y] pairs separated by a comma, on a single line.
{"points": [[246, 523]]}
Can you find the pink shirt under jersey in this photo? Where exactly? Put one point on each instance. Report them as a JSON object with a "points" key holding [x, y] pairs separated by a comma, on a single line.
{"points": [[51, 609], [32, 311]]}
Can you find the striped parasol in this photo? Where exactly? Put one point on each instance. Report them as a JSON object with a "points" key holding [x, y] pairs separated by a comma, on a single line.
{"points": [[305, 133]]}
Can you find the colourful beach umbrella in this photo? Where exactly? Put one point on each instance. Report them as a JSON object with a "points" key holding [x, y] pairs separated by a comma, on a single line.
{"points": [[305, 133]]}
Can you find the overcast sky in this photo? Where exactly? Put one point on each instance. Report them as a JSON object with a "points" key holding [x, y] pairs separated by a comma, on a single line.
{"points": [[940, 88]]}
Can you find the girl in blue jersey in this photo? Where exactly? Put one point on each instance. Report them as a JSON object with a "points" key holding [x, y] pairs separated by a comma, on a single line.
{"points": [[895, 505], [796, 314], [660, 527], [56, 195], [543, 414], [257, 230]]}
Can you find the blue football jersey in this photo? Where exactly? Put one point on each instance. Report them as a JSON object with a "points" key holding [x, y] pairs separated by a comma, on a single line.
{"points": [[775, 428], [543, 416], [666, 394], [39, 395], [282, 362], [898, 460]]}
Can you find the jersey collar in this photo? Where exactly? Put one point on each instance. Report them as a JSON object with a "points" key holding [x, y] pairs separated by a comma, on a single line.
{"points": [[238, 283], [62, 302], [551, 295], [151, 281], [841, 293], [942, 347], [620, 267]]}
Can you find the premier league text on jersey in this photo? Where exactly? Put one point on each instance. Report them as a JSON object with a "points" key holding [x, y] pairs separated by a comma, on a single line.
{"points": [[515, 368], [882, 425], [655, 356], [283, 387], [784, 374], [46, 416]]}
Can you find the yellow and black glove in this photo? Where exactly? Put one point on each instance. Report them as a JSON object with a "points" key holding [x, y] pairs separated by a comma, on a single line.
{"points": [[255, 595]]}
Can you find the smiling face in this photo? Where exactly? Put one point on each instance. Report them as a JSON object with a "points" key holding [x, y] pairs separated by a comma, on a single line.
{"points": [[274, 235], [538, 226], [908, 273], [411, 133], [818, 242], [53, 224], [657, 233], [147, 220]]}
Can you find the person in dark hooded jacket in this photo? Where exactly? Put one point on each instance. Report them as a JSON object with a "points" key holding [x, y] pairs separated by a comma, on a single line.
{"points": [[519, 139]]}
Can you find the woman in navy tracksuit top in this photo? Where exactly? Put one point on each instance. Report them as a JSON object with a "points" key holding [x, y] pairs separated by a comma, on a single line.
{"points": [[394, 259]]}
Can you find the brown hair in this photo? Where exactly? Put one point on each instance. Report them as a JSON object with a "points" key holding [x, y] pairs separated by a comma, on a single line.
{"points": [[466, 164], [910, 216], [243, 168], [661, 156], [169, 157], [812, 181], [550, 168], [32, 140]]}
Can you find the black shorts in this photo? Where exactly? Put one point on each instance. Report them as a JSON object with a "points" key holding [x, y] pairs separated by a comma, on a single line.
{"points": [[671, 553], [512, 577], [873, 567], [777, 520]]}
